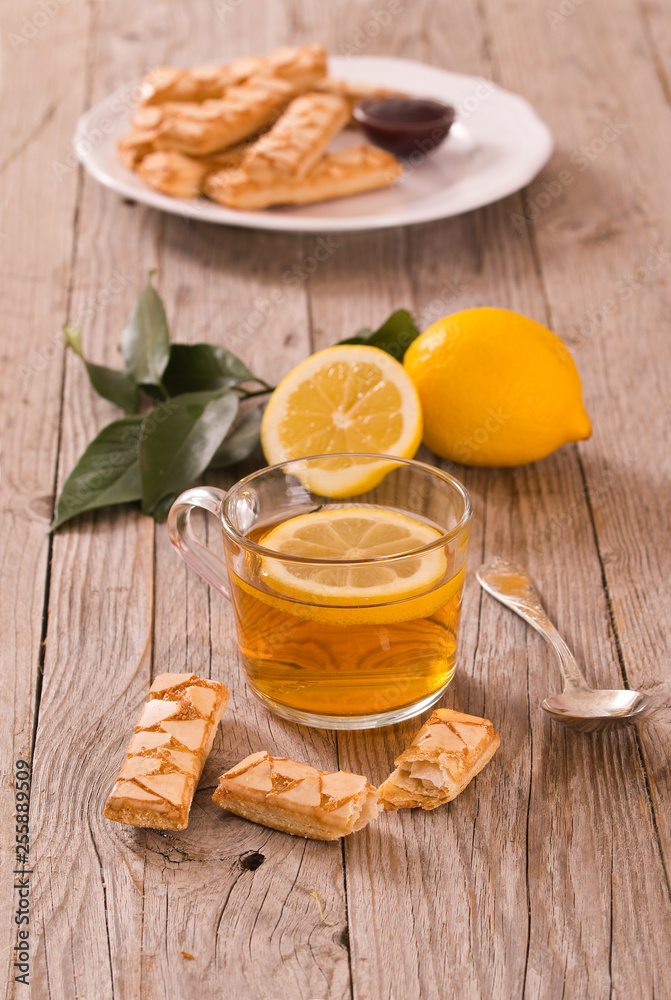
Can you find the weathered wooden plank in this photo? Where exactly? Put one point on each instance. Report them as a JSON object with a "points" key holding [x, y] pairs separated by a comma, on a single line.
{"points": [[43, 80], [422, 872], [159, 895], [603, 236], [557, 836], [657, 31], [237, 288], [268, 912], [429, 877], [99, 643], [97, 661], [578, 836]]}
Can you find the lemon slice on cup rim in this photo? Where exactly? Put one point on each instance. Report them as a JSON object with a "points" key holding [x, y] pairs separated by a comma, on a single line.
{"points": [[349, 398]]}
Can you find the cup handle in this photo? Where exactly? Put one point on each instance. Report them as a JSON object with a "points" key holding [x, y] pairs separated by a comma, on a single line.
{"points": [[189, 546]]}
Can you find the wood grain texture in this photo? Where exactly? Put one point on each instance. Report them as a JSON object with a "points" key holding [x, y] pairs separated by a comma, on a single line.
{"points": [[547, 878], [605, 238], [35, 276]]}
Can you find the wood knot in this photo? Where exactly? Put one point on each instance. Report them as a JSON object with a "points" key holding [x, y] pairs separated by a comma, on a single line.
{"points": [[251, 861]]}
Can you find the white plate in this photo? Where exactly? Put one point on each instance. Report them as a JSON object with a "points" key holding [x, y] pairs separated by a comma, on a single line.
{"points": [[496, 146]]}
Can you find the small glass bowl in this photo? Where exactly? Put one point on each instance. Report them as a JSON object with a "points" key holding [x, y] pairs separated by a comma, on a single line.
{"points": [[404, 125]]}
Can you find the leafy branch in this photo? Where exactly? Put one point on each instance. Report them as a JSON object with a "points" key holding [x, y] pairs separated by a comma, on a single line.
{"points": [[190, 396]]}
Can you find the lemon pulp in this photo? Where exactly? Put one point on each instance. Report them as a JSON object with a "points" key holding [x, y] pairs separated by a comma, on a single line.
{"points": [[363, 590], [348, 398]]}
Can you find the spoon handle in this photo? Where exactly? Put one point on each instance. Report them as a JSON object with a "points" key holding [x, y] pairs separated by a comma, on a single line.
{"points": [[512, 586]]}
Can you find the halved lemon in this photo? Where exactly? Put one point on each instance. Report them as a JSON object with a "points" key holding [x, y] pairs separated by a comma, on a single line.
{"points": [[372, 592], [348, 398]]}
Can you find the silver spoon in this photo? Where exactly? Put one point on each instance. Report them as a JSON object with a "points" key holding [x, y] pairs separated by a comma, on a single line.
{"points": [[580, 706]]}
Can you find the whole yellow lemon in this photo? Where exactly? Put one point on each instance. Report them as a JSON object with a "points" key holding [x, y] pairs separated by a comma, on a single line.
{"points": [[496, 388]]}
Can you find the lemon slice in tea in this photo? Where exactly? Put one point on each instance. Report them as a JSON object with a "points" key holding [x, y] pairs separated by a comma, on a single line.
{"points": [[406, 588]]}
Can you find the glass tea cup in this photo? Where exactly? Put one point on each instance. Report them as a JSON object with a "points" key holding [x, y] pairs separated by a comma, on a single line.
{"points": [[346, 576]]}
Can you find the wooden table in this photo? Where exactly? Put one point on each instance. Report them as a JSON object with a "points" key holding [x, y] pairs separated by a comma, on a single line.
{"points": [[548, 877]]}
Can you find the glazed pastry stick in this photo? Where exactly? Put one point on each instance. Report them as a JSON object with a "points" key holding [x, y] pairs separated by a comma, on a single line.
{"points": [[303, 66], [200, 129], [174, 173], [297, 798], [349, 171], [298, 138], [444, 756], [167, 752], [151, 117], [198, 83], [147, 123], [354, 92], [183, 176], [135, 145]]}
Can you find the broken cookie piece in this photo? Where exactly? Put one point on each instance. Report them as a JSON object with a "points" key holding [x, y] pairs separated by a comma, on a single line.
{"points": [[167, 753], [444, 756], [297, 798]]}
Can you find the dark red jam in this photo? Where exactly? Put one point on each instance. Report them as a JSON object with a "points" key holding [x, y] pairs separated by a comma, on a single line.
{"points": [[407, 127]]}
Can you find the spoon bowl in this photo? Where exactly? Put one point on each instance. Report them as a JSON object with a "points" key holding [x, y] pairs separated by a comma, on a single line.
{"points": [[579, 706], [591, 711]]}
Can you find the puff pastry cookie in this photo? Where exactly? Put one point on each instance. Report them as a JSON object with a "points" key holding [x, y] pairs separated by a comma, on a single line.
{"points": [[444, 756], [174, 173], [297, 798], [183, 176], [298, 139], [303, 66], [349, 171], [135, 145], [354, 92], [167, 752], [200, 129]]}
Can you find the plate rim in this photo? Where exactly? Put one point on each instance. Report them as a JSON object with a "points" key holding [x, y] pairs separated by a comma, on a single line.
{"points": [[200, 210]]}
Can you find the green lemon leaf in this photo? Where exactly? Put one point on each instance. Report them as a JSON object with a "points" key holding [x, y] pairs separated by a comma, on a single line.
{"points": [[107, 473], [242, 442], [394, 336], [162, 508], [179, 439], [117, 386], [145, 340], [203, 367]]}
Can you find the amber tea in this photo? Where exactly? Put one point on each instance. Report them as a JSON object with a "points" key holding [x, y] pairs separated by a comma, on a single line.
{"points": [[333, 643], [346, 574]]}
